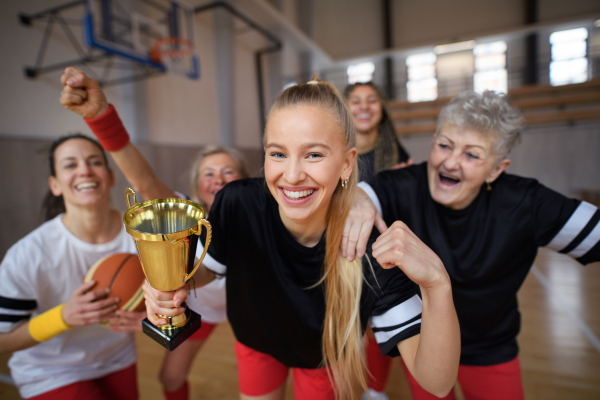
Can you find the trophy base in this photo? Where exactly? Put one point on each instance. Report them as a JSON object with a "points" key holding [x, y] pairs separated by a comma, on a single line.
{"points": [[171, 338]]}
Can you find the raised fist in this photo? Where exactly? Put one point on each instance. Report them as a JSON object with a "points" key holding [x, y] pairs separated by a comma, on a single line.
{"points": [[82, 94]]}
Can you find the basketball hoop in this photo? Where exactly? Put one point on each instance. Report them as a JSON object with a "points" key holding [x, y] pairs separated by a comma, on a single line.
{"points": [[175, 53]]}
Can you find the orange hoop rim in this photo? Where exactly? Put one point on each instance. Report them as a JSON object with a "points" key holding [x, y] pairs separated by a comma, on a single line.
{"points": [[187, 47]]}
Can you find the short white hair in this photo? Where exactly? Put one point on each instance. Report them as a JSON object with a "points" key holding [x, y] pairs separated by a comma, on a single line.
{"points": [[490, 114], [209, 151]]}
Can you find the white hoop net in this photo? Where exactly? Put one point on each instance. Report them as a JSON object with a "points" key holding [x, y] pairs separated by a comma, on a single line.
{"points": [[176, 54]]}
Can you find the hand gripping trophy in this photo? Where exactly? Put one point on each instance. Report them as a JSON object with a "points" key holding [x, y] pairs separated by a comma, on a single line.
{"points": [[164, 231]]}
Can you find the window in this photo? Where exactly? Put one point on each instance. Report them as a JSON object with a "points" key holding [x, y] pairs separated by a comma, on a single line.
{"points": [[362, 72], [422, 84], [490, 67], [569, 57]]}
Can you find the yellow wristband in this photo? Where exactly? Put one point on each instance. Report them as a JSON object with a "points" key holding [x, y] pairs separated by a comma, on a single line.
{"points": [[47, 325]]}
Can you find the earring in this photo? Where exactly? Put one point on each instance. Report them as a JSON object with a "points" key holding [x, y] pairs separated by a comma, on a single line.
{"points": [[489, 187], [345, 182]]}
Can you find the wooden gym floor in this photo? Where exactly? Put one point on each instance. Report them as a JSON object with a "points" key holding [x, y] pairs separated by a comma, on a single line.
{"points": [[560, 350]]}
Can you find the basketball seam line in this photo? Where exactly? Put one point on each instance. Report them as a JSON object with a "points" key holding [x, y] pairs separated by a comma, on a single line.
{"points": [[119, 270]]}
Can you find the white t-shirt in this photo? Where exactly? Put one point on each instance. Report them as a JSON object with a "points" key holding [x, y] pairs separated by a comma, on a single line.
{"points": [[39, 272], [208, 300]]}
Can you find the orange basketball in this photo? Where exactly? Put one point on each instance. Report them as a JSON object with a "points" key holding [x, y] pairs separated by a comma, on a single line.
{"points": [[123, 274]]}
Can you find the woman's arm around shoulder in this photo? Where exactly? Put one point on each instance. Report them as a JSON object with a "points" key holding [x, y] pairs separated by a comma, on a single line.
{"points": [[433, 356]]}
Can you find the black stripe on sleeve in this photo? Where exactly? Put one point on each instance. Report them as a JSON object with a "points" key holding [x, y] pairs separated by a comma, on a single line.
{"points": [[391, 328], [591, 256], [583, 234], [390, 348], [12, 318], [17, 304]]}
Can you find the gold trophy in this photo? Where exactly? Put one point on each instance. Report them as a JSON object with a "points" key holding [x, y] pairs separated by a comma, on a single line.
{"points": [[164, 232]]}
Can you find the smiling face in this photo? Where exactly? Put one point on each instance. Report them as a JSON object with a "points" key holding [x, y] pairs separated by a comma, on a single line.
{"points": [[460, 161], [82, 176], [365, 107], [305, 159], [215, 171]]}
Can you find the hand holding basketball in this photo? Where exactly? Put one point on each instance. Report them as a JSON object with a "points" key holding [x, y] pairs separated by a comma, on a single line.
{"points": [[82, 94], [127, 321], [399, 246], [86, 306], [163, 303]]}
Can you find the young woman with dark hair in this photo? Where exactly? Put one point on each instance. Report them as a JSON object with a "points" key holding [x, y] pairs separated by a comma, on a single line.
{"points": [[48, 319], [213, 168], [376, 140]]}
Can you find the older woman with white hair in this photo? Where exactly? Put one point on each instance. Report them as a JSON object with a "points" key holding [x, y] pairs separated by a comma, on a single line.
{"points": [[486, 226]]}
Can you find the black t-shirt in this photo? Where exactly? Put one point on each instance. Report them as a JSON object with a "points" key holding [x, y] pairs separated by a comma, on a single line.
{"points": [[489, 247], [366, 164], [273, 304]]}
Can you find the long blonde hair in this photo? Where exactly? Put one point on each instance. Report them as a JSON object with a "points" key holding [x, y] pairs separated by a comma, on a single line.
{"points": [[342, 280]]}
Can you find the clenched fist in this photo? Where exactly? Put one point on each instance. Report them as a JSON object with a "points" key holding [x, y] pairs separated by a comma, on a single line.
{"points": [[82, 94], [400, 247]]}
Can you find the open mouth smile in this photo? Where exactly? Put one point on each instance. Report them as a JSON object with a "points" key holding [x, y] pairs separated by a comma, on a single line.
{"points": [[297, 194], [86, 186], [448, 181]]}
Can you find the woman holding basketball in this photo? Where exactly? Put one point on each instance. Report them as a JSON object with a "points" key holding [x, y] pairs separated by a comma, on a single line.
{"points": [[214, 168], [292, 300], [47, 317]]}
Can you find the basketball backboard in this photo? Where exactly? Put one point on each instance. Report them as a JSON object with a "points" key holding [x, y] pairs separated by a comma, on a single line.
{"points": [[132, 28]]}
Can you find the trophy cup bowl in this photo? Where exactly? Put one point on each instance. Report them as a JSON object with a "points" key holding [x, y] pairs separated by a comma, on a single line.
{"points": [[164, 232]]}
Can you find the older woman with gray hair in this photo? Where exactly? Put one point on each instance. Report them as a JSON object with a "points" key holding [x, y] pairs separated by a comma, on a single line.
{"points": [[486, 226]]}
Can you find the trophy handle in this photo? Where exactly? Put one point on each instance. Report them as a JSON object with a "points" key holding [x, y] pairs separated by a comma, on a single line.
{"points": [[208, 239], [130, 191]]}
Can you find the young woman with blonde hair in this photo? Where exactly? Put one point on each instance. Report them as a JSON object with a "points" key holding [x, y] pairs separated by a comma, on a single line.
{"points": [[292, 300]]}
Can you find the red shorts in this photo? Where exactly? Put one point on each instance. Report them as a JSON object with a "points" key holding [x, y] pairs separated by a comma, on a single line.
{"points": [[260, 374], [120, 385], [490, 382], [204, 332]]}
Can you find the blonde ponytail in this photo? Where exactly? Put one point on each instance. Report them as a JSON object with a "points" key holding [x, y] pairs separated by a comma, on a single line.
{"points": [[342, 280]]}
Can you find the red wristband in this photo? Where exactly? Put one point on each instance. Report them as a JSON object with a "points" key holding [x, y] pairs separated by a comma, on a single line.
{"points": [[109, 129]]}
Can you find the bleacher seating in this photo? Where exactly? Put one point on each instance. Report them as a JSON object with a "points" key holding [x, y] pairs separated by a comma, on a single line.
{"points": [[541, 104]]}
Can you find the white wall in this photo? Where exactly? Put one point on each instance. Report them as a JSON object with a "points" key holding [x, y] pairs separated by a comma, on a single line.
{"points": [[177, 110], [347, 28], [185, 111], [30, 107]]}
